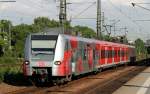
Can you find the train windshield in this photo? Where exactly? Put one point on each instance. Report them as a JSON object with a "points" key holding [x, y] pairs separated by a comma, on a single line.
{"points": [[43, 44]]}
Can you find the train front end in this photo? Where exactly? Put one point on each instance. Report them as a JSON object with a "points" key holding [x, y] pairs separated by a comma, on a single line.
{"points": [[39, 56]]}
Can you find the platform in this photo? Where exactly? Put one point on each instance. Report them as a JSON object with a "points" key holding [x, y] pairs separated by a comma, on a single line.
{"points": [[140, 84]]}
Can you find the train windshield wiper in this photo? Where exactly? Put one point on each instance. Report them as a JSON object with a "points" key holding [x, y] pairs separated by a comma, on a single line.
{"points": [[44, 53]]}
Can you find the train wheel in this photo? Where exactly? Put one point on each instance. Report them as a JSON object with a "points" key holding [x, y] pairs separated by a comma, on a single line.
{"points": [[59, 81], [100, 70], [115, 67], [95, 72], [69, 78]]}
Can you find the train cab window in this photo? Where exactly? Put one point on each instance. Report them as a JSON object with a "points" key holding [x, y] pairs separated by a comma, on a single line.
{"points": [[45, 46], [43, 43]]}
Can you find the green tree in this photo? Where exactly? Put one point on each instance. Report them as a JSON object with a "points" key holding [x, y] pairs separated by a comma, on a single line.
{"points": [[5, 27], [19, 33], [41, 23], [85, 31], [140, 48]]}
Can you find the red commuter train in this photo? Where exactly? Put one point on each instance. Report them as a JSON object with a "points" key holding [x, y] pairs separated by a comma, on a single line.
{"points": [[59, 57]]}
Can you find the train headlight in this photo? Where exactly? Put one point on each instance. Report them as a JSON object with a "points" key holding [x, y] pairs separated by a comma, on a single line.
{"points": [[57, 63], [27, 62]]}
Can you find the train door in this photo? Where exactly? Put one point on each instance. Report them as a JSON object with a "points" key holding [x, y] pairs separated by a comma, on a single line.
{"points": [[122, 54], [97, 55], [127, 54], [115, 54], [68, 55], [90, 56], [102, 56], [80, 62], [74, 50], [109, 54], [118, 54], [95, 48], [106, 54], [85, 58]]}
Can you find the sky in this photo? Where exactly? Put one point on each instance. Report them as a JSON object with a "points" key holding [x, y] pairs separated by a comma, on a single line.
{"points": [[24, 11]]}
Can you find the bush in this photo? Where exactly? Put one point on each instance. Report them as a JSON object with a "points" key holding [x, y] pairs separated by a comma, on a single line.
{"points": [[9, 70], [4, 60]]}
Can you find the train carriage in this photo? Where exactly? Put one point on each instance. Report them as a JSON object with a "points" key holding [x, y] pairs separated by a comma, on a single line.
{"points": [[58, 57]]}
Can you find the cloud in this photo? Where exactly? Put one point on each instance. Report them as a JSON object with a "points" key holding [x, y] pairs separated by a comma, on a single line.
{"points": [[4, 6]]}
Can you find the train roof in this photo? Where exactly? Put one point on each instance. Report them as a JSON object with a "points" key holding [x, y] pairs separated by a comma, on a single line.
{"points": [[49, 31], [87, 40], [58, 31]]}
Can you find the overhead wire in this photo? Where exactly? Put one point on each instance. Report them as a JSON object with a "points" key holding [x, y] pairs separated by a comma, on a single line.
{"points": [[37, 6], [129, 18], [143, 7], [22, 12], [84, 10]]}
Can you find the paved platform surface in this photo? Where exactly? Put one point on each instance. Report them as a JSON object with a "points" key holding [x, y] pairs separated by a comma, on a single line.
{"points": [[138, 85]]}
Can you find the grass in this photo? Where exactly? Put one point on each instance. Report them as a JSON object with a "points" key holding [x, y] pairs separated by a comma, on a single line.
{"points": [[8, 70], [11, 71], [8, 67], [8, 60]]}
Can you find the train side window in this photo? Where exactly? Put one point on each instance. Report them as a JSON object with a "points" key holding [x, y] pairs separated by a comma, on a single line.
{"points": [[106, 53], [103, 54], [85, 54], [72, 59], [66, 46], [113, 53], [110, 53], [122, 53], [94, 54], [127, 53], [97, 56], [118, 52]]}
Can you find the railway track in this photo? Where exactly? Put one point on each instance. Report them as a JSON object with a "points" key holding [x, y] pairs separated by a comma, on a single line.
{"points": [[102, 82]]}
